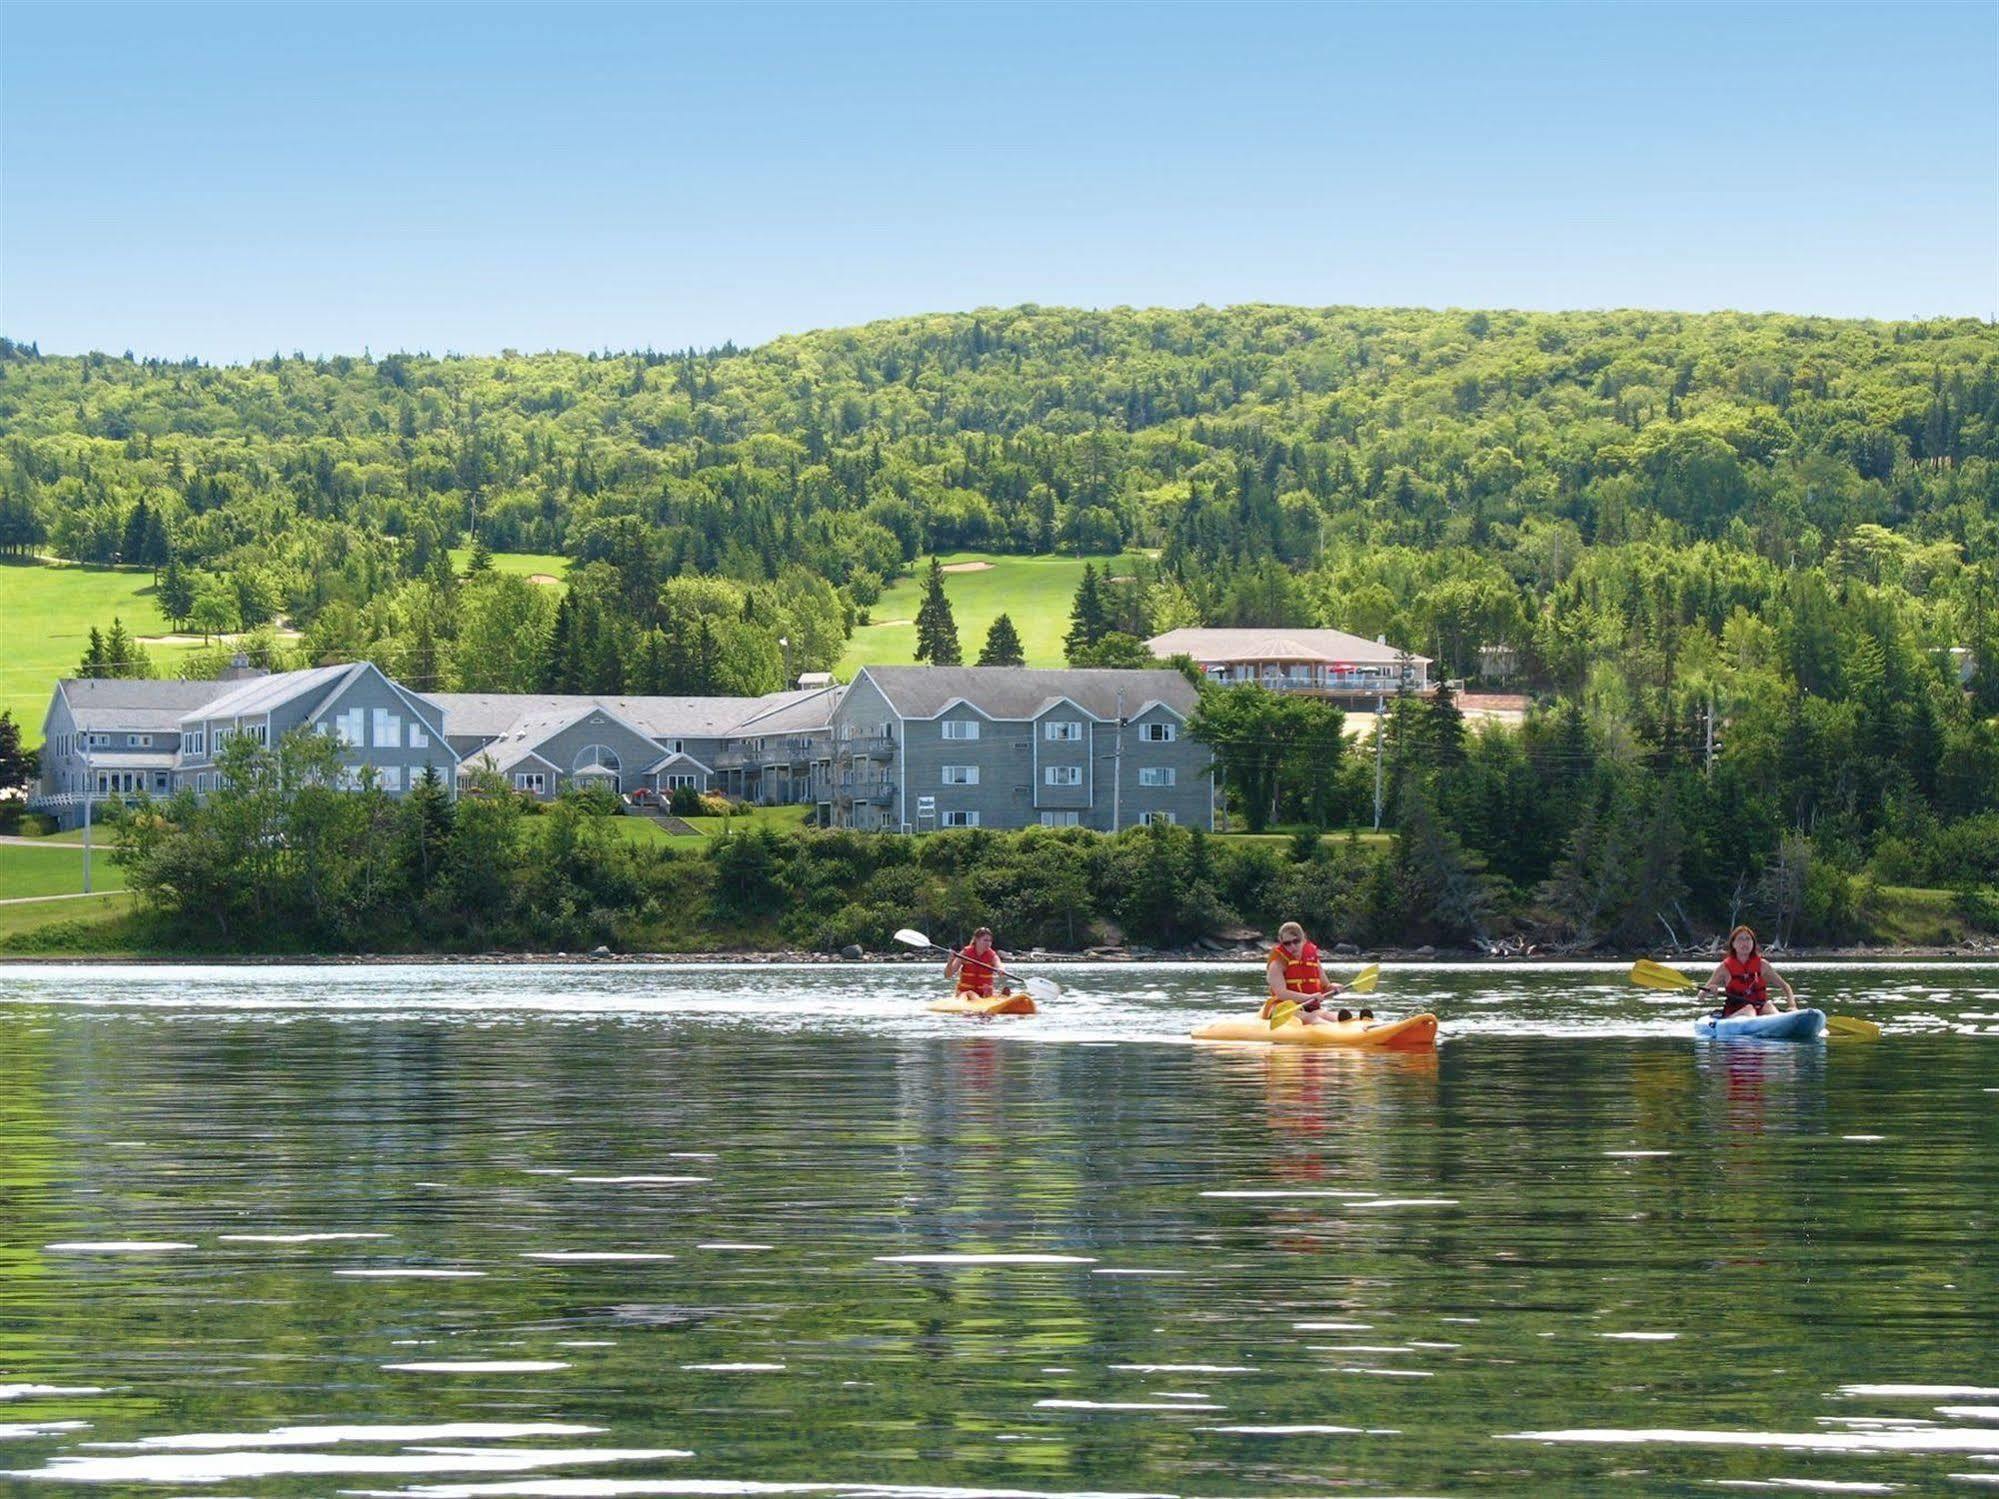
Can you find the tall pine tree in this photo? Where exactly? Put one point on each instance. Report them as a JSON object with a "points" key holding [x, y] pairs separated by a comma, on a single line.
{"points": [[936, 627], [1002, 647], [1089, 617]]}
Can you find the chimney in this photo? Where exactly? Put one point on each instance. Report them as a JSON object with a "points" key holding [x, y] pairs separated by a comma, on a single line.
{"points": [[240, 669]]}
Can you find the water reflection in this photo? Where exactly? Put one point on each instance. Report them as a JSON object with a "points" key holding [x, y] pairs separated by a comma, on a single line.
{"points": [[470, 1231]]}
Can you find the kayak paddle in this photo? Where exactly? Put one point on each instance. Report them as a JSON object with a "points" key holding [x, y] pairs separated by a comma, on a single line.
{"points": [[1649, 975], [1042, 989], [1361, 983]]}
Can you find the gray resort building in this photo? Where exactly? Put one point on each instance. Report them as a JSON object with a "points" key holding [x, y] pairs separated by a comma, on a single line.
{"points": [[908, 748]]}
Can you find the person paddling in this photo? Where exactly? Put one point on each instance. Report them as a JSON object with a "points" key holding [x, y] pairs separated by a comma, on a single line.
{"points": [[977, 965], [1743, 977], [1295, 977]]}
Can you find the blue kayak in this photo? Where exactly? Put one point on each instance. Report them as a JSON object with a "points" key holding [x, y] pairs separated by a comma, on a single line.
{"points": [[1786, 1025]]}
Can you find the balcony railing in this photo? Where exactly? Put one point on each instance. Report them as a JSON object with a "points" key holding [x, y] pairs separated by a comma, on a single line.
{"points": [[874, 746], [864, 789], [1322, 681]]}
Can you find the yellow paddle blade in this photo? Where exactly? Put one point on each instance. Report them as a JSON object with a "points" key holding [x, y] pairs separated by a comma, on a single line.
{"points": [[1852, 1028], [1649, 975], [1284, 1012], [1364, 981]]}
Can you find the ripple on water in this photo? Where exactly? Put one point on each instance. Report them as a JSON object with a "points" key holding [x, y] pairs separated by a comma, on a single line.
{"points": [[481, 1366], [326, 1436], [224, 1467]]}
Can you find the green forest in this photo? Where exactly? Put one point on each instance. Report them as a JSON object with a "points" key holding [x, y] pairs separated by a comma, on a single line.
{"points": [[1745, 567]]}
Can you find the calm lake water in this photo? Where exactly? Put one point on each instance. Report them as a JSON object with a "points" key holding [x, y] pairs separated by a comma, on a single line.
{"points": [[596, 1230]]}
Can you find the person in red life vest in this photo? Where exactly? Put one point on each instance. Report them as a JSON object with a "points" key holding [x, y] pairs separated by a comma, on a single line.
{"points": [[1295, 976], [977, 965], [1743, 976]]}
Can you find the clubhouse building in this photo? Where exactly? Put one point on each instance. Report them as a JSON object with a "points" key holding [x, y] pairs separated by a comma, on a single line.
{"points": [[901, 748]]}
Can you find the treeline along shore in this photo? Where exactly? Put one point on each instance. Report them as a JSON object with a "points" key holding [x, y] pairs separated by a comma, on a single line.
{"points": [[286, 859], [1742, 571]]}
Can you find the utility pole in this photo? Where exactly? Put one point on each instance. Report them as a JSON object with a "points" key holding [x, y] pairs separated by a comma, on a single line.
{"points": [[1380, 723], [1117, 766], [86, 813], [1708, 755]]}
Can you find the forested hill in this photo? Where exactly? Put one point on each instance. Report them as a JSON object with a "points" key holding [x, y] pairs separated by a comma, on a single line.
{"points": [[1220, 433], [1748, 564]]}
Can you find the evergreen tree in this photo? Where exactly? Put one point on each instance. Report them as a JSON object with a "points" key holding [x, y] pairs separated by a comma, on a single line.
{"points": [[176, 592], [1002, 647], [92, 664], [426, 816], [132, 545], [1447, 729], [16, 768], [936, 628], [482, 556], [1089, 620]]}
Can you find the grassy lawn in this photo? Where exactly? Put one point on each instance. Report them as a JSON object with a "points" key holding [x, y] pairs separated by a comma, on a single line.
{"points": [[56, 870], [1908, 915], [47, 610], [527, 564], [1035, 591], [644, 830], [24, 921]]}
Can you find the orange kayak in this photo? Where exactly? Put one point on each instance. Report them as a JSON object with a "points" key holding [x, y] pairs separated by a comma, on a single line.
{"points": [[974, 1004], [1414, 1033]]}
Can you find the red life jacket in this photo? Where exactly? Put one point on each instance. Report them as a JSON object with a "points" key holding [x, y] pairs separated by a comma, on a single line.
{"points": [[1746, 984], [975, 974], [1302, 974]]}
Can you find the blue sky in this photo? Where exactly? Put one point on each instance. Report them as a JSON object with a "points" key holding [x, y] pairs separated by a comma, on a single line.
{"points": [[226, 181]]}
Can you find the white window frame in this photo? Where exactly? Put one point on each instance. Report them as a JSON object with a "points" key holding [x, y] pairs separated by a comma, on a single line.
{"points": [[959, 728], [675, 780], [386, 730], [1061, 819], [961, 775], [418, 739], [960, 818], [1158, 733], [1158, 775], [1063, 731], [351, 727], [197, 741], [1166, 817], [389, 777], [535, 781], [1062, 775]]}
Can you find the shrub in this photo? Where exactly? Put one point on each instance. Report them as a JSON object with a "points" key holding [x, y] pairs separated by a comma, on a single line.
{"points": [[684, 802]]}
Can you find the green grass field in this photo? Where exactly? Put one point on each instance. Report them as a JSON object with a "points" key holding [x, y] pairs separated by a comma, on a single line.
{"points": [[47, 610], [525, 564], [56, 870], [1036, 591]]}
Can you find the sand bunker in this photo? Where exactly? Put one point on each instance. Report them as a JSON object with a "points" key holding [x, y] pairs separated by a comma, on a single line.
{"points": [[968, 567], [547, 580]]}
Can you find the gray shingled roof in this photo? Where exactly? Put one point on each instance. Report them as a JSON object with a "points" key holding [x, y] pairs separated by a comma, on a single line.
{"points": [[1279, 644], [1023, 691], [256, 695], [487, 715], [804, 713], [102, 703]]}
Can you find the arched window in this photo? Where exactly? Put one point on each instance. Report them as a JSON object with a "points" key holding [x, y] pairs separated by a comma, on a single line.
{"points": [[598, 758]]}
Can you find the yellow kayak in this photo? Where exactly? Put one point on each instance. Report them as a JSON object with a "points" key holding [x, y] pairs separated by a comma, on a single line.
{"points": [[1414, 1033], [976, 1004]]}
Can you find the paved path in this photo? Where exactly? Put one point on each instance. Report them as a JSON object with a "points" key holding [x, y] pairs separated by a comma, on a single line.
{"points": [[75, 848]]}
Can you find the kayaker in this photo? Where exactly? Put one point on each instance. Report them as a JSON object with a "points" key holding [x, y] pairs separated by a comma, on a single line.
{"points": [[977, 965], [1295, 977], [1743, 976]]}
